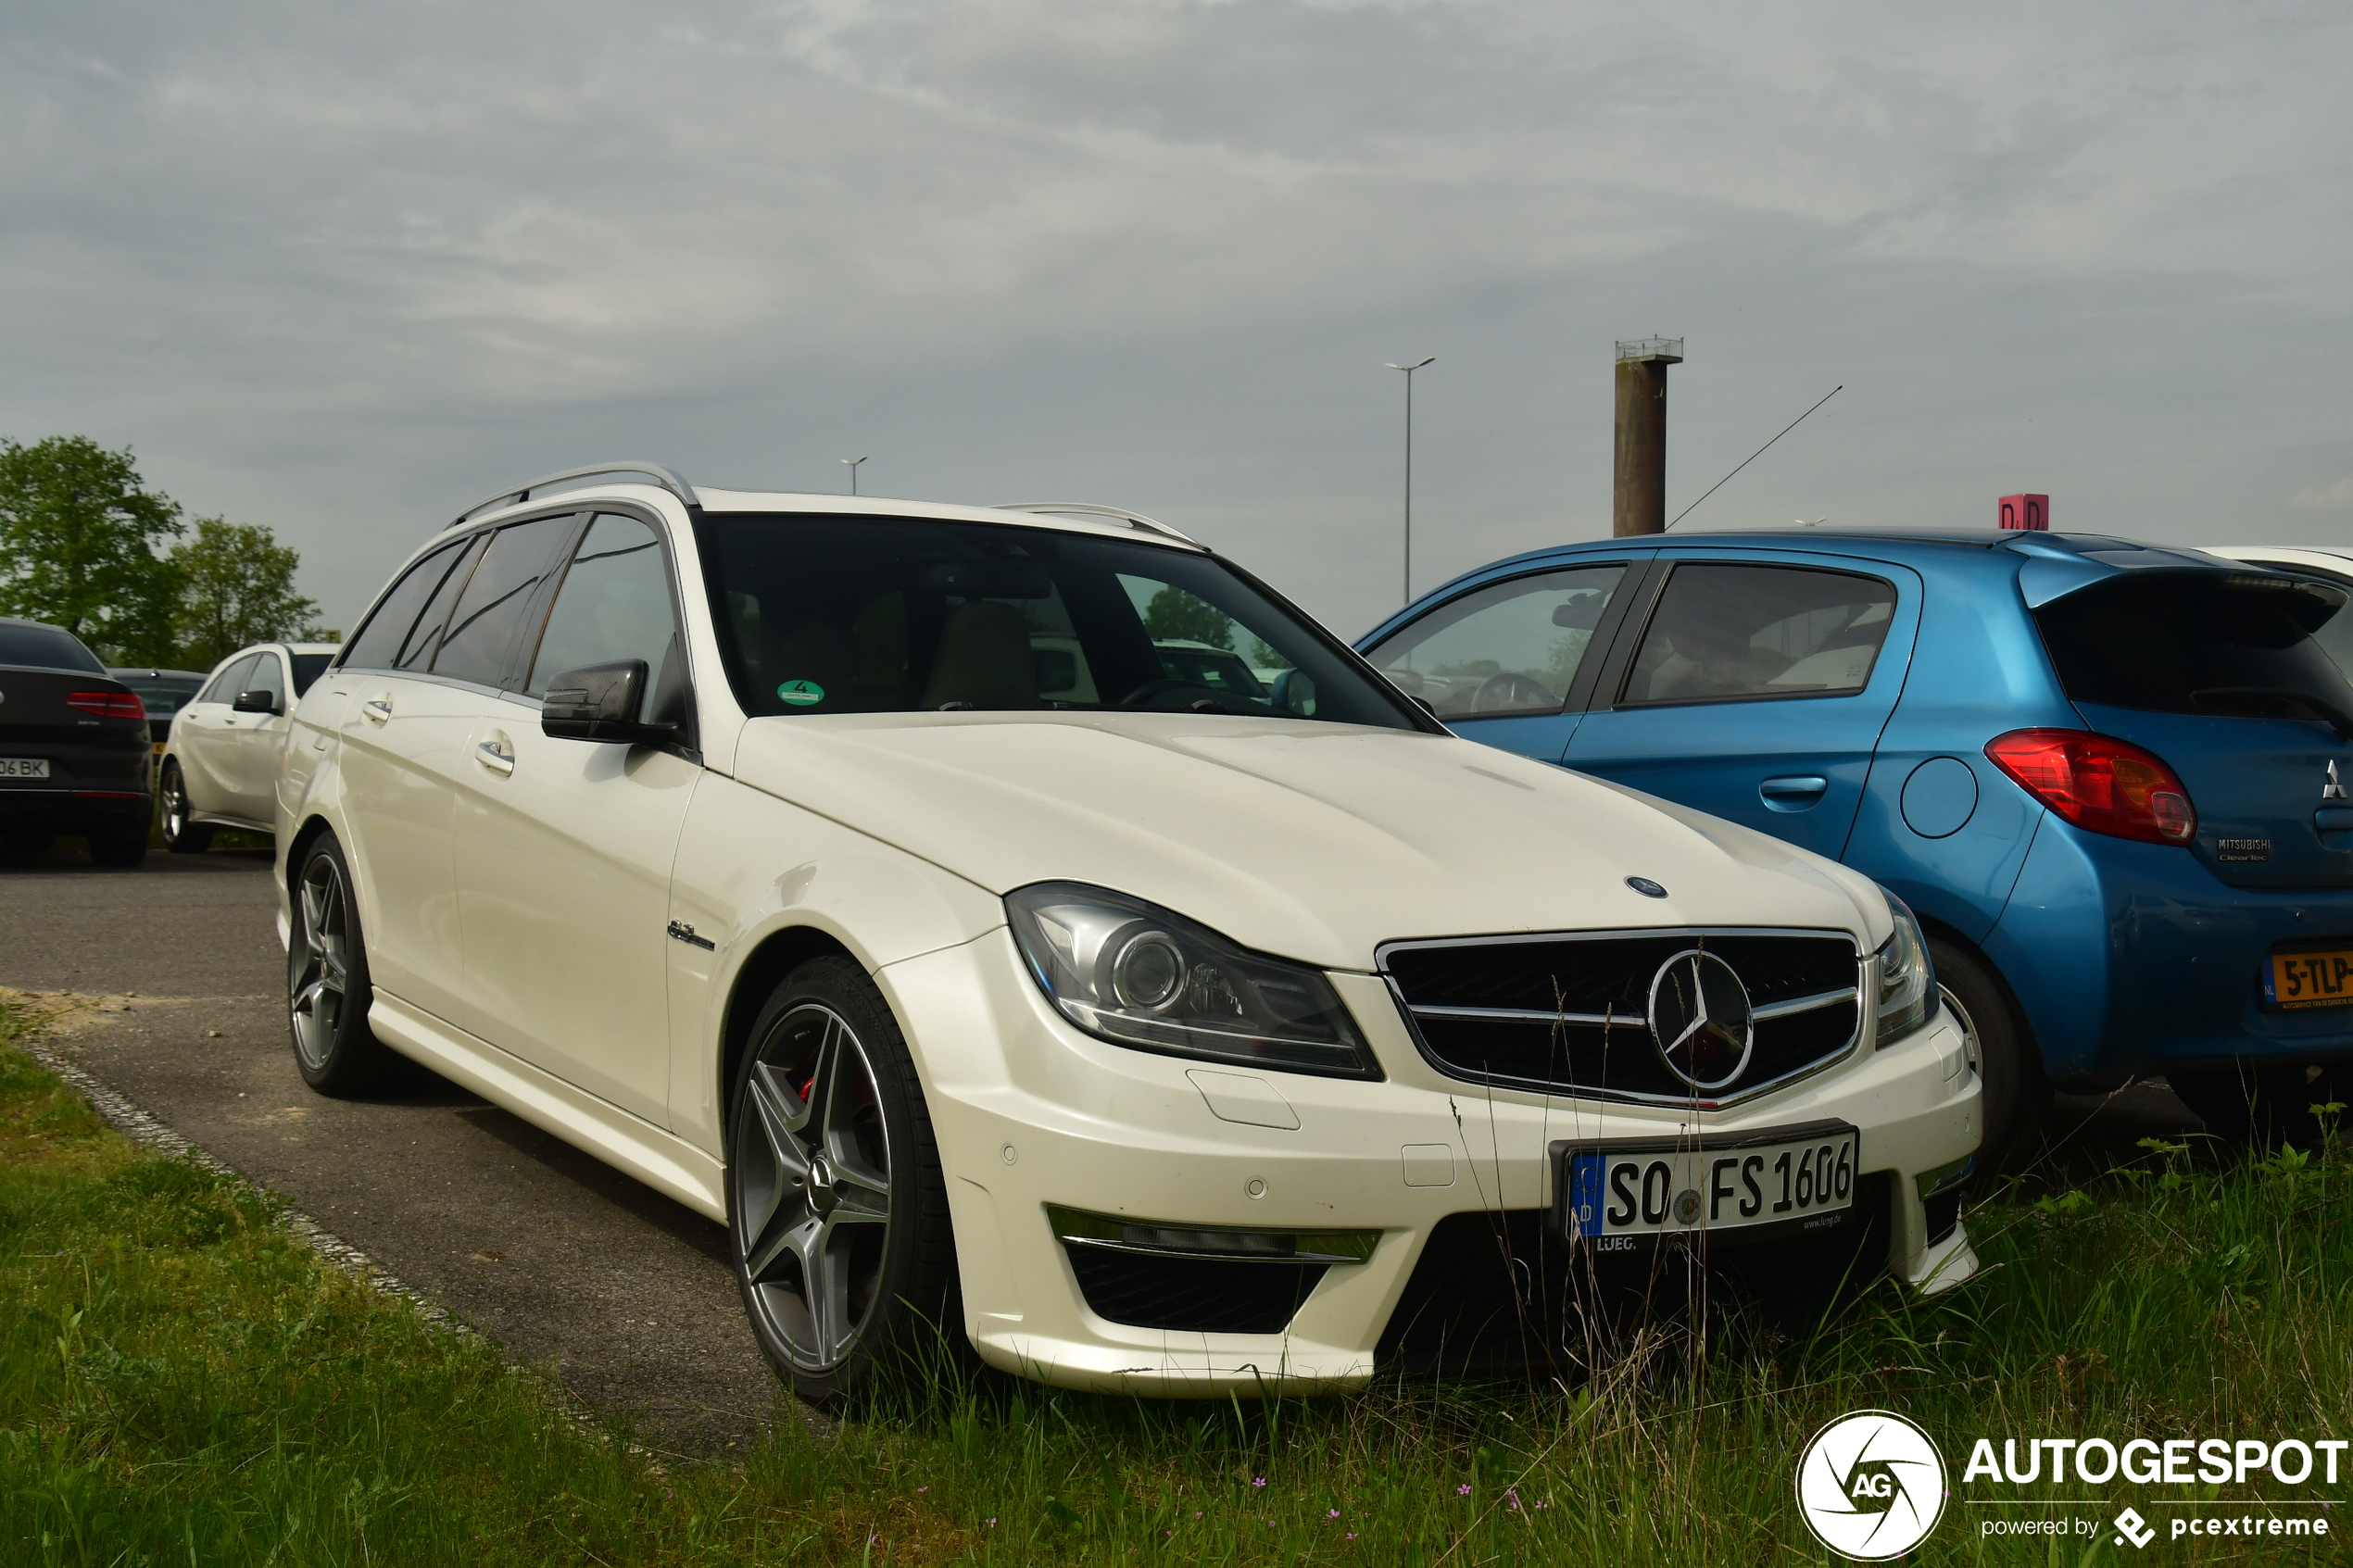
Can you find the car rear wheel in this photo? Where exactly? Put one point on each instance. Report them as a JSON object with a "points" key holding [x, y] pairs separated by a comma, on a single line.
{"points": [[327, 985], [2264, 1104], [2014, 1094], [836, 1203], [125, 845], [180, 836]]}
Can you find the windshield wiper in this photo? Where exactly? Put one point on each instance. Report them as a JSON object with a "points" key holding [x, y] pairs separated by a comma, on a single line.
{"points": [[2327, 712]]}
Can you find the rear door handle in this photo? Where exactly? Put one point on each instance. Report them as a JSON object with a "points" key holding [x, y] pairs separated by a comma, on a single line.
{"points": [[377, 709], [1794, 792]]}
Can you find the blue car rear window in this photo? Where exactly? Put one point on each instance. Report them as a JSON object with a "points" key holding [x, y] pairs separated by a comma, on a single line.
{"points": [[2242, 645]]}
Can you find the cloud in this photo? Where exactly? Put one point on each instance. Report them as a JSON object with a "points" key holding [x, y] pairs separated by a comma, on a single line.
{"points": [[2337, 497], [343, 269]]}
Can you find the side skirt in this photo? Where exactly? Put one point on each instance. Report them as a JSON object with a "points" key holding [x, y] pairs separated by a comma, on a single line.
{"points": [[668, 1164]]}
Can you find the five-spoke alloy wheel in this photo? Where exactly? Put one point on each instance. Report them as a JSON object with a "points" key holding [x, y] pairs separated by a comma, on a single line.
{"points": [[180, 836], [327, 985], [836, 1203]]}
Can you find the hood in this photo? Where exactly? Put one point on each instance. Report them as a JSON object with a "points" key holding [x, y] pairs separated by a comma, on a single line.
{"points": [[1316, 842]]}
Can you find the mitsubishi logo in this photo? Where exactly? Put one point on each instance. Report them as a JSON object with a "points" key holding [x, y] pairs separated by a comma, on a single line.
{"points": [[2334, 789], [1700, 1019]]}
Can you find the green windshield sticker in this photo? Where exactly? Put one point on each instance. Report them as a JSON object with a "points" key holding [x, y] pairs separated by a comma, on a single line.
{"points": [[801, 694]]}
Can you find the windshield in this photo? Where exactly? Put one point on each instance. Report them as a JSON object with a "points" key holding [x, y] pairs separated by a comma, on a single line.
{"points": [[822, 614], [45, 648], [2243, 646]]}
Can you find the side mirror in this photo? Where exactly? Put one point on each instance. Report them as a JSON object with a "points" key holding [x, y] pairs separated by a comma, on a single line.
{"points": [[601, 702], [1294, 692], [255, 702]]}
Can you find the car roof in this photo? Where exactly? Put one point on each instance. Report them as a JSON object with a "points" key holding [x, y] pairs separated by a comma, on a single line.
{"points": [[122, 671]]}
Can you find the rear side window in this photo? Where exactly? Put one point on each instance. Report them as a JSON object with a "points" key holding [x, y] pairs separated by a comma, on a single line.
{"points": [[47, 647], [2237, 645], [480, 643], [1510, 647], [1725, 632], [381, 644]]}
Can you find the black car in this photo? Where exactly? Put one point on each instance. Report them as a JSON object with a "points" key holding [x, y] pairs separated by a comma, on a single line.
{"points": [[74, 750], [165, 693]]}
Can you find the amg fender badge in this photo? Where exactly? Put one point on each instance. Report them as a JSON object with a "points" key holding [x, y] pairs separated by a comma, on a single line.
{"points": [[684, 933]]}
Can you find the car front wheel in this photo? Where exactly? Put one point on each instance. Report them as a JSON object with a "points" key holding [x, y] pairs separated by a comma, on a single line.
{"points": [[180, 836], [835, 1202], [327, 986], [2015, 1096]]}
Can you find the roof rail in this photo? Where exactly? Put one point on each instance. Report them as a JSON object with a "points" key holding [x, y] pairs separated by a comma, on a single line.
{"points": [[668, 478], [1082, 508]]}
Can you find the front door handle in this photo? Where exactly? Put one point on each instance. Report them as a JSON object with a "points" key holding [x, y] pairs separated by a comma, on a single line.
{"points": [[1794, 792], [377, 709], [497, 755]]}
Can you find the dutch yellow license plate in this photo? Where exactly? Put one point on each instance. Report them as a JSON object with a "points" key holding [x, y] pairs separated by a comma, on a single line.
{"points": [[2311, 980]]}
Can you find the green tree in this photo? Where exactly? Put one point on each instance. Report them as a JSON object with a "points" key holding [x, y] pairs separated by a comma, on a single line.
{"points": [[78, 531], [1173, 615], [236, 586]]}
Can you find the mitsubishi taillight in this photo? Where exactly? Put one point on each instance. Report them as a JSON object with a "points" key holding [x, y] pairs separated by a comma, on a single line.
{"points": [[2099, 782], [107, 705]]}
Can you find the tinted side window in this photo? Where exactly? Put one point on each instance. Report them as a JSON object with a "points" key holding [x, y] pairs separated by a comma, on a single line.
{"points": [[229, 683], [377, 645], [2247, 646], [1723, 632], [1510, 647], [615, 604], [479, 643], [308, 667], [267, 677]]}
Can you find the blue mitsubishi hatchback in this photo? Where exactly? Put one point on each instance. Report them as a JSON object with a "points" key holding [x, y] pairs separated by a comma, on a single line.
{"points": [[2110, 780]]}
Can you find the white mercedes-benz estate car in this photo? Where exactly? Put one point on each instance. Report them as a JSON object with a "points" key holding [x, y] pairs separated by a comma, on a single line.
{"points": [[874, 878]]}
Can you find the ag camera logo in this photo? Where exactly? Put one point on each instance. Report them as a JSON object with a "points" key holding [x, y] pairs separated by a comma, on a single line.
{"points": [[1870, 1485]]}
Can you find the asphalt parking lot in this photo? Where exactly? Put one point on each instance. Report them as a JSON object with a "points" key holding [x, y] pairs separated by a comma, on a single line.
{"points": [[625, 1295]]}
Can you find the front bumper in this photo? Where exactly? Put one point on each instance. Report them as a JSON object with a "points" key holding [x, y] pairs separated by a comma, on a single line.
{"points": [[1029, 1112]]}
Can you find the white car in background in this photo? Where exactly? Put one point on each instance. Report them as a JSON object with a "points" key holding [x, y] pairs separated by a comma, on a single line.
{"points": [[1161, 1039], [221, 763]]}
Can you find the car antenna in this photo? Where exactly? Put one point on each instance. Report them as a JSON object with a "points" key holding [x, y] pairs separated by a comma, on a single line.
{"points": [[1754, 456]]}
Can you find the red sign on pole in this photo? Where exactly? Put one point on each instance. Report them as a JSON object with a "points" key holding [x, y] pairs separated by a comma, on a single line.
{"points": [[2030, 514]]}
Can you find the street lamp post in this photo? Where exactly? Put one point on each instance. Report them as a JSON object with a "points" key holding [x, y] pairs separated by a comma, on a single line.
{"points": [[1409, 370], [853, 463]]}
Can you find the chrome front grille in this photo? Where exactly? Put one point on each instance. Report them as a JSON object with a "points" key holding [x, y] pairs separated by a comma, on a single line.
{"points": [[1568, 1013]]}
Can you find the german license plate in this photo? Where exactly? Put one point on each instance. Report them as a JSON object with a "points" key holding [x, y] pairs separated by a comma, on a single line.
{"points": [[2310, 980], [1794, 1178], [24, 766]]}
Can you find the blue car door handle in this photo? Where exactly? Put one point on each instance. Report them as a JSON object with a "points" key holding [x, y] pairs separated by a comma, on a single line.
{"points": [[1794, 792]]}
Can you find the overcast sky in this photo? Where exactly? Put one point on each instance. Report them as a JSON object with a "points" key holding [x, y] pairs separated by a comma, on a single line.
{"points": [[343, 269]]}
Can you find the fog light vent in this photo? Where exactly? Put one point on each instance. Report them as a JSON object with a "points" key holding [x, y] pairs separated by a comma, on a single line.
{"points": [[1203, 1279]]}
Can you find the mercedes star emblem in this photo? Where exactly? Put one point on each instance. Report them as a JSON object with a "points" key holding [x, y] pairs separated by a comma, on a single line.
{"points": [[1700, 1019]]}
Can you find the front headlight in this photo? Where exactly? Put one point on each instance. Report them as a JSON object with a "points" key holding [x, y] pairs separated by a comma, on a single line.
{"points": [[1906, 979], [1137, 975]]}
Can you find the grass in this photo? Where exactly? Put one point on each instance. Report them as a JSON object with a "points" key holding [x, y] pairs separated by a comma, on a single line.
{"points": [[182, 1383]]}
